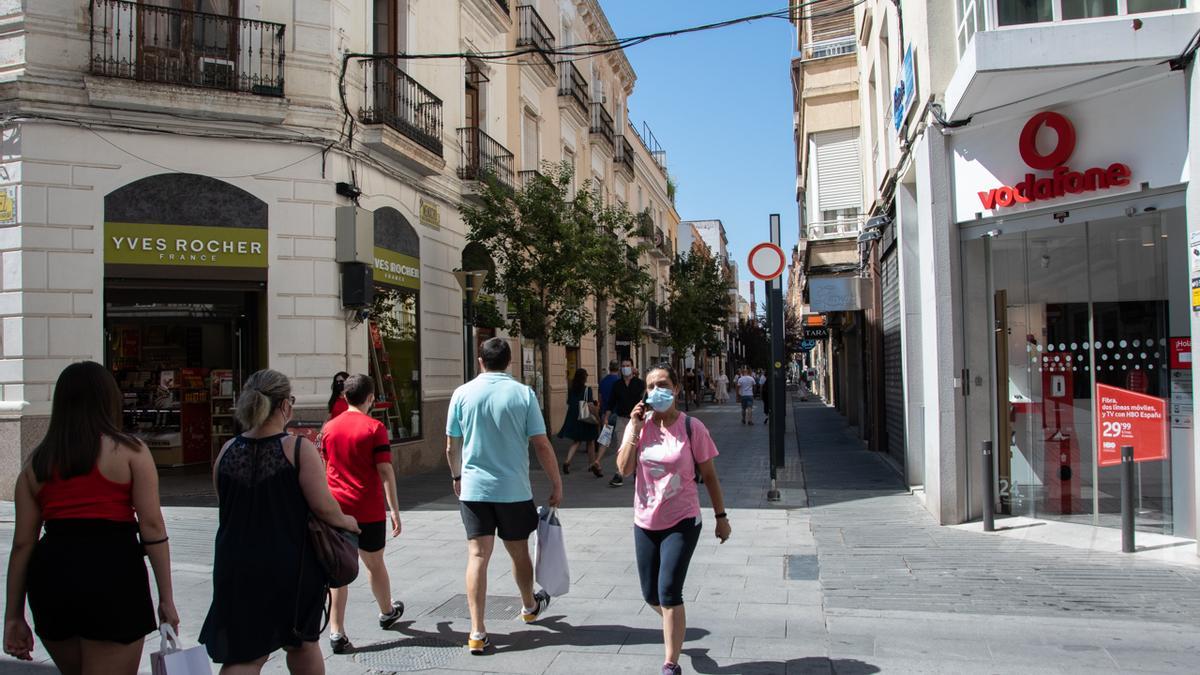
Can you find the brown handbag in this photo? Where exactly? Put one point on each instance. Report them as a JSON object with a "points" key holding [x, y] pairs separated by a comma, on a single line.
{"points": [[336, 550]]}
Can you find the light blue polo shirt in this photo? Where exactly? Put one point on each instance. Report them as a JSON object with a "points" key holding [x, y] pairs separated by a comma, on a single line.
{"points": [[495, 416]]}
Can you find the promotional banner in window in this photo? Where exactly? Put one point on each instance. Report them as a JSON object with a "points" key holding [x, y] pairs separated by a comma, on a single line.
{"points": [[395, 346]]}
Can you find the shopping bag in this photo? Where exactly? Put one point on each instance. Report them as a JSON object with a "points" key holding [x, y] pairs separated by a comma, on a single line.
{"points": [[550, 554], [585, 413], [170, 659], [606, 435]]}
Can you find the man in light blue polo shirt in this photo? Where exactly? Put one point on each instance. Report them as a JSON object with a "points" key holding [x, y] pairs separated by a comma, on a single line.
{"points": [[490, 424]]}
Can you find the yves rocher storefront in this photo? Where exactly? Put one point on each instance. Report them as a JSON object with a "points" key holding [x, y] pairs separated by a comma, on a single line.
{"points": [[1077, 302]]}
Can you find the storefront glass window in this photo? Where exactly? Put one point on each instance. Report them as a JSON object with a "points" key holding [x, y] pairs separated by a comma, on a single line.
{"points": [[1074, 307], [532, 368], [396, 361]]}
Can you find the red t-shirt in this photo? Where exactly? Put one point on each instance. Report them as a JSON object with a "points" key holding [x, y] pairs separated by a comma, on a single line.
{"points": [[353, 444], [339, 406]]}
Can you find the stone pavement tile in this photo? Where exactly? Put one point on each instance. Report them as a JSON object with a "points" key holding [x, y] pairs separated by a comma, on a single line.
{"points": [[758, 610], [1136, 658], [576, 663], [779, 648], [847, 644], [719, 592], [1066, 651], [932, 648], [709, 609], [735, 628]]}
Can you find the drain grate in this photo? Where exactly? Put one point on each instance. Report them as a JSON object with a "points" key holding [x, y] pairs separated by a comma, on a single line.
{"points": [[413, 654], [498, 607], [801, 568]]}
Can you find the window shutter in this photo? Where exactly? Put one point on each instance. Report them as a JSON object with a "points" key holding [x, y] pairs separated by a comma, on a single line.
{"points": [[839, 170]]}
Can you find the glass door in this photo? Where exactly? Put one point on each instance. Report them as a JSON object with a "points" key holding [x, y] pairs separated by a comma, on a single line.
{"points": [[1072, 307]]}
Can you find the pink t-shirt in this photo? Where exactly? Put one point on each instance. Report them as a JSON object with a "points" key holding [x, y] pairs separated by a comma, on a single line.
{"points": [[665, 486]]}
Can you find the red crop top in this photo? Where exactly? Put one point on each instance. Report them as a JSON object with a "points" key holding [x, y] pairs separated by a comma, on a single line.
{"points": [[88, 496]]}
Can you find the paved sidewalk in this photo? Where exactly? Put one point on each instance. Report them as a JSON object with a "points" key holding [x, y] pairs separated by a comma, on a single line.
{"points": [[848, 574]]}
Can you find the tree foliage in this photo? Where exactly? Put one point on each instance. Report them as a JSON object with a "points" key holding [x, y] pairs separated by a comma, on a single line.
{"points": [[698, 303]]}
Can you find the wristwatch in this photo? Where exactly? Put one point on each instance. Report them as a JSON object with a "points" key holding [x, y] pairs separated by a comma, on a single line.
{"points": [[456, 478]]}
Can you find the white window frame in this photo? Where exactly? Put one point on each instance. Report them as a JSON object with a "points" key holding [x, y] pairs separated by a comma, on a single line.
{"points": [[993, 16]]}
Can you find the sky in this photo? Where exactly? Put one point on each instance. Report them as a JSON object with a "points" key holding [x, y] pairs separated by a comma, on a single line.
{"points": [[720, 104]]}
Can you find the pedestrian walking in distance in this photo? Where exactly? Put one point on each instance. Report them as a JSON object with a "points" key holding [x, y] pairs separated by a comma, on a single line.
{"points": [[269, 588], [337, 402], [581, 432], [666, 449], [492, 420], [606, 387], [745, 388], [358, 458], [721, 383], [94, 490], [627, 392]]}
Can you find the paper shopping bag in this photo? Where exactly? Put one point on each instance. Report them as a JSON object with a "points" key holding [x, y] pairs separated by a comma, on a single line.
{"points": [[606, 435], [550, 554], [170, 659]]}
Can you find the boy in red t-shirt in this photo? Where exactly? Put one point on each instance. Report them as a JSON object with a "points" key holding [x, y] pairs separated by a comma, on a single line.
{"points": [[358, 458]]}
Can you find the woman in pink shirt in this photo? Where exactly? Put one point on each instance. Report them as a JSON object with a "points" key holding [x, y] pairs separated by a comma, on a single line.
{"points": [[667, 449]]}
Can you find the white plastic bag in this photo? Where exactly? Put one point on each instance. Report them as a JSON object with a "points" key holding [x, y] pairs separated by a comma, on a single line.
{"points": [[550, 554], [606, 435], [170, 659]]}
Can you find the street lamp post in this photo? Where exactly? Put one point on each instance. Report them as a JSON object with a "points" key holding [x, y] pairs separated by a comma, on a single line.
{"points": [[471, 281]]}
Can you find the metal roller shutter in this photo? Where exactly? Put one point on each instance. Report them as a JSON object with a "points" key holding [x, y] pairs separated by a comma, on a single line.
{"points": [[839, 170], [893, 381]]}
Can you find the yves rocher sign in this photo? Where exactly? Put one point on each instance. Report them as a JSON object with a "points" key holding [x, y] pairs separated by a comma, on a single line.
{"points": [[1062, 180]]}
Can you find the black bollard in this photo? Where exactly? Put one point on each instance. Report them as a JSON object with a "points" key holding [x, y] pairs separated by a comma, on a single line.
{"points": [[989, 489], [1127, 543]]}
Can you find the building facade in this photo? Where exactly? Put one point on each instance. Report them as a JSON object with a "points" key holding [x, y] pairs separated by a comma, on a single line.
{"points": [[1038, 203], [177, 176]]}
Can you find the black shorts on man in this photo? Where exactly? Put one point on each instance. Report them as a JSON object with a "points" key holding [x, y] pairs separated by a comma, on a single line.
{"points": [[373, 536], [513, 521]]}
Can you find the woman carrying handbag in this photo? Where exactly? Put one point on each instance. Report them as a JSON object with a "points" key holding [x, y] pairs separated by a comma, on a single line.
{"points": [[581, 424], [269, 587]]}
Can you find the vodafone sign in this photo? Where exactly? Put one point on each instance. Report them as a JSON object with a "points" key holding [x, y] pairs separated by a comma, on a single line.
{"points": [[1061, 180]]}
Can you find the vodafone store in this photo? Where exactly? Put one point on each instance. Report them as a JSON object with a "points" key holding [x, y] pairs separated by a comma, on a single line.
{"points": [[1077, 302]]}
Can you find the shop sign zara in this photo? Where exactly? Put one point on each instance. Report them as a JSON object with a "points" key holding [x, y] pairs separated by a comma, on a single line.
{"points": [[184, 245], [1062, 181]]}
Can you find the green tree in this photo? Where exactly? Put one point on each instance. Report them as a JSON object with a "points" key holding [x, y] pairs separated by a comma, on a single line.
{"points": [[698, 303], [540, 239]]}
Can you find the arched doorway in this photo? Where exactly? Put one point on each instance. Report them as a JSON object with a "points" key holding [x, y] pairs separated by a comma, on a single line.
{"points": [[394, 349], [185, 272]]}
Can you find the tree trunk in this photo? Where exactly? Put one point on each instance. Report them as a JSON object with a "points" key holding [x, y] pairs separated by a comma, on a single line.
{"points": [[544, 345], [601, 337]]}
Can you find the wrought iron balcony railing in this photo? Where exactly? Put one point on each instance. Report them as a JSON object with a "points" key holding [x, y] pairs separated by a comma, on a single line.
{"points": [[572, 84], [192, 49], [394, 98], [526, 177], [602, 122], [535, 35], [623, 156], [483, 156], [503, 5]]}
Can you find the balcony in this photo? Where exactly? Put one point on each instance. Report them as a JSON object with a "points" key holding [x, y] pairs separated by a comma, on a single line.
{"points": [[653, 318], [602, 123], [826, 49], [573, 90], [843, 228], [623, 157], [482, 156], [394, 100], [535, 38], [189, 49], [503, 5], [524, 178]]}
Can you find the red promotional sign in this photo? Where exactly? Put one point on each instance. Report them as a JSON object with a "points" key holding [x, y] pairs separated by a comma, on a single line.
{"points": [[1126, 417], [1181, 353], [1062, 181]]}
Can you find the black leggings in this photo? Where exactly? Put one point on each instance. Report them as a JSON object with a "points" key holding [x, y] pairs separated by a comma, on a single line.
{"points": [[663, 557]]}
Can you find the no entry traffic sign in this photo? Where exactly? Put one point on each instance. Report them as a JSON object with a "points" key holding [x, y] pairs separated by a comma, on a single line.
{"points": [[766, 261]]}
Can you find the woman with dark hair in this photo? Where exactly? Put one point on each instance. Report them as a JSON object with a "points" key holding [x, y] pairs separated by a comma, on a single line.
{"points": [[268, 587], [667, 449], [337, 402], [576, 429], [95, 491]]}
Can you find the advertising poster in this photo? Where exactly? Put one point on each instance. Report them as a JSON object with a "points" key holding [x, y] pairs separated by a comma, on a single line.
{"points": [[1126, 417]]}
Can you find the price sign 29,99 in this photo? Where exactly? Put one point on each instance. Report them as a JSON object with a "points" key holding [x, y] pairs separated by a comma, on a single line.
{"points": [[1126, 417]]}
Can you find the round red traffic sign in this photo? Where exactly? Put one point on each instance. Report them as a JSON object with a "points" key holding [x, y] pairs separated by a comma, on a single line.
{"points": [[766, 261]]}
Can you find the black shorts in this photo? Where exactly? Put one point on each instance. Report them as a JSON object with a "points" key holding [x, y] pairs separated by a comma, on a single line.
{"points": [[514, 521], [372, 536]]}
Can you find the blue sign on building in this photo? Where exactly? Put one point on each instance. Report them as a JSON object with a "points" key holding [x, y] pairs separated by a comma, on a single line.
{"points": [[905, 92]]}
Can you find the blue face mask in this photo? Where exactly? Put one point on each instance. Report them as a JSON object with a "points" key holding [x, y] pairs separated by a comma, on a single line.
{"points": [[660, 399]]}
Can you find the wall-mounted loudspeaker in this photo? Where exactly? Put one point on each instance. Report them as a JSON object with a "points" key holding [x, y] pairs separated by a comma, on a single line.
{"points": [[357, 287]]}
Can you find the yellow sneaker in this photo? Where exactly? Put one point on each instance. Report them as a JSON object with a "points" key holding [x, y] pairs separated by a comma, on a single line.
{"points": [[541, 602], [477, 643]]}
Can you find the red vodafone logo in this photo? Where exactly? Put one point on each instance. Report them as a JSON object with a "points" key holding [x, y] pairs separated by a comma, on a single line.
{"points": [[1063, 148], [1062, 181]]}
